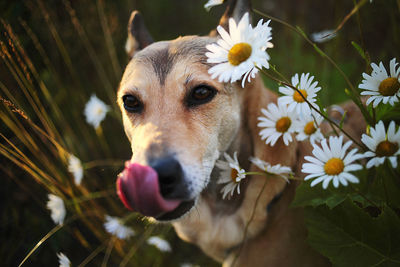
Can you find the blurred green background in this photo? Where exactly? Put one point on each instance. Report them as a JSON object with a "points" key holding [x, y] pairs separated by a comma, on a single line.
{"points": [[76, 49]]}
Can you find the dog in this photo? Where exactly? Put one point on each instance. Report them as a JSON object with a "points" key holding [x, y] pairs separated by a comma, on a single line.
{"points": [[179, 121]]}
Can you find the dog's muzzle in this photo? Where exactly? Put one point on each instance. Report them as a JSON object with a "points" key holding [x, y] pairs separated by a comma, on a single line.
{"points": [[156, 191]]}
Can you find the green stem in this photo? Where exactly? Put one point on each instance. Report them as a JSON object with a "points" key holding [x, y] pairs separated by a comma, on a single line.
{"points": [[128, 217], [333, 129], [272, 67], [266, 174], [256, 173], [248, 224], [357, 6]]}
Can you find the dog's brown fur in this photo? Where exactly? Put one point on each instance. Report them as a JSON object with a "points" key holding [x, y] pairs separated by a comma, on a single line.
{"points": [[161, 74]]}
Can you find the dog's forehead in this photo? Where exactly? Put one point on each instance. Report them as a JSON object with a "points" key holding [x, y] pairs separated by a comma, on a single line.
{"points": [[162, 56]]}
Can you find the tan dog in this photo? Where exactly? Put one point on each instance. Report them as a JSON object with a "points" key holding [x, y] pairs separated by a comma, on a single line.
{"points": [[179, 122]]}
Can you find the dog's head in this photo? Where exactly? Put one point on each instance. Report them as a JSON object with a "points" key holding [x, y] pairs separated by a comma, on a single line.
{"points": [[178, 121]]}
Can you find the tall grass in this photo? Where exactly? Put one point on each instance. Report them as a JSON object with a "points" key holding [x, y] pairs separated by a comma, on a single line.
{"points": [[42, 98]]}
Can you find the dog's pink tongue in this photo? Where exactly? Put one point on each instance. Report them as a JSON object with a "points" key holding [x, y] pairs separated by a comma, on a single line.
{"points": [[138, 189]]}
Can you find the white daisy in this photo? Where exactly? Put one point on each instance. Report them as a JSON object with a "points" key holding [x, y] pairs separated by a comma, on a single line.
{"points": [[239, 53], [160, 243], [278, 121], [115, 226], [63, 260], [75, 167], [307, 127], [383, 145], [212, 3], [95, 111], [57, 208], [278, 169], [332, 163], [294, 100], [380, 86], [323, 36], [231, 174]]}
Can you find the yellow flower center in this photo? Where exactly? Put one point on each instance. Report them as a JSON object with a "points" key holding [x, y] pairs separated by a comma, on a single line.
{"points": [[297, 97], [334, 166], [239, 52], [99, 111], [389, 86], [386, 149], [283, 124], [309, 129], [234, 175]]}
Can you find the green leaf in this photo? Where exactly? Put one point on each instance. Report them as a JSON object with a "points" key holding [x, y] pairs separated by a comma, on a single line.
{"points": [[348, 236], [359, 50], [387, 112], [385, 188], [315, 196], [378, 187]]}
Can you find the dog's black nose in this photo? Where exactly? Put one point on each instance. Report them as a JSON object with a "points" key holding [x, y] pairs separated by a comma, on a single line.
{"points": [[170, 177]]}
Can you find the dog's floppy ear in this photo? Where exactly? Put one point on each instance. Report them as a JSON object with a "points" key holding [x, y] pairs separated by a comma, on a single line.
{"points": [[235, 9], [138, 35]]}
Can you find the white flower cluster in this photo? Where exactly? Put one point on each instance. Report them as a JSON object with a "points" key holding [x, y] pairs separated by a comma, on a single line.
{"points": [[242, 52], [63, 260], [95, 111], [75, 167], [212, 3], [115, 226], [232, 174], [159, 243], [381, 86], [293, 113], [57, 208]]}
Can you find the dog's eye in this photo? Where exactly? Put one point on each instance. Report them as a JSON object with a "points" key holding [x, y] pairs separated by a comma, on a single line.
{"points": [[200, 95], [132, 104]]}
